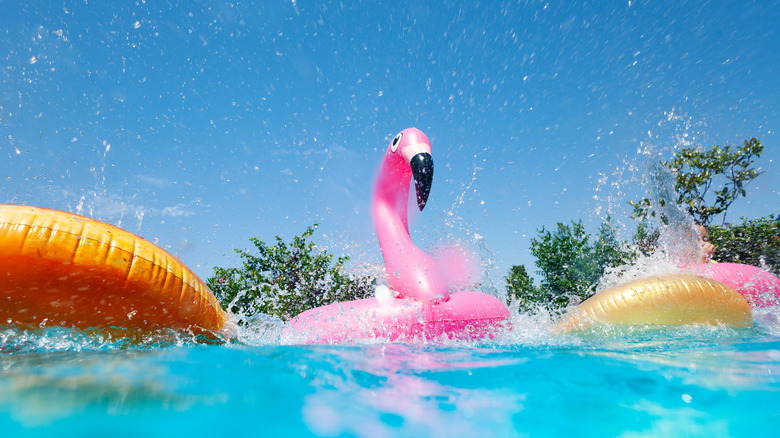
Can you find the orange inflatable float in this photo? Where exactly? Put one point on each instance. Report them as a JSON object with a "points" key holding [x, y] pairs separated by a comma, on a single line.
{"points": [[663, 300], [59, 268]]}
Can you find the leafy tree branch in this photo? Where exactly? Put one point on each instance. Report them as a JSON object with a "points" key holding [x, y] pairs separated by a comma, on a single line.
{"points": [[722, 172], [286, 279]]}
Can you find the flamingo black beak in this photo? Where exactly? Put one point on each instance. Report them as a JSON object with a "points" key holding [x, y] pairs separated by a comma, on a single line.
{"points": [[422, 171]]}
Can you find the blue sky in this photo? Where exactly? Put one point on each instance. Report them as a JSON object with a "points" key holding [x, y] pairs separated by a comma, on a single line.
{"points": [[201, 125]]}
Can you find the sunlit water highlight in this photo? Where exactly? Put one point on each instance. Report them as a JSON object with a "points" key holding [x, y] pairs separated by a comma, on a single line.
{"points": [[639, 381]]}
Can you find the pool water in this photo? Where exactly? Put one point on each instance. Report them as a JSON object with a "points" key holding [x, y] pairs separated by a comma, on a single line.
{"points": [[631, 381]]}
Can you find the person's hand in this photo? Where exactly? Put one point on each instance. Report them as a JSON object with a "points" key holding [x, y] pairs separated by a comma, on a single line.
{"points": [[706, 252], [706, 248]]}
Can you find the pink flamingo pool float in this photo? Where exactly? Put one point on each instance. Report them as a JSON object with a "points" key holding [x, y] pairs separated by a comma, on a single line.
{"points": [[759, 287], [418, 306]]}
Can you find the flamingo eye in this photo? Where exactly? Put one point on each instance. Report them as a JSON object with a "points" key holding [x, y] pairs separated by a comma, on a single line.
{"points": [[396, 141]]}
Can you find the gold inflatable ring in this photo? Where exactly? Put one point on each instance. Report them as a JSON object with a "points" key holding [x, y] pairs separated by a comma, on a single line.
{"points": [[663, 300], [59, 268]]}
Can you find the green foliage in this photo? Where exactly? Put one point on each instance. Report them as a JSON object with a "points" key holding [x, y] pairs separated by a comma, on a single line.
{"points": [[698, 171], [286, 279], [608, 251], [569, 264], [750, 242], [645, 238], [520, 288], [564, 259]]}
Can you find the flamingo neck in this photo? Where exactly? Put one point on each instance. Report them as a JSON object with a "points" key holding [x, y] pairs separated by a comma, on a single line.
{"points": [[410, 272]]}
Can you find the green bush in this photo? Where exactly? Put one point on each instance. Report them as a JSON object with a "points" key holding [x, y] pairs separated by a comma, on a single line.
{"points": [[706, 183], [752, 242], [286, 279], [570, 262], [520, 288]]}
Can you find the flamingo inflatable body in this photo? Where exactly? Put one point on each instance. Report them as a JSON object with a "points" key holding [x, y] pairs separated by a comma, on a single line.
{"points": [[419, 306], [759, 287]]}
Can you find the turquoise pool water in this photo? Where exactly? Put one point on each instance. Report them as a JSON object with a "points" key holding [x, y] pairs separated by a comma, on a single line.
{"points": [[641, 381]]}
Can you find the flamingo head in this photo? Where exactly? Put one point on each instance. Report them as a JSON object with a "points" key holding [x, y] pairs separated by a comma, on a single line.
{"points": [[412, 149]]}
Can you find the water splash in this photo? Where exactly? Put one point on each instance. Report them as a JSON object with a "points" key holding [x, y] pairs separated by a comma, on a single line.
{"points": [[678, 240], [677, 243], [460, 263], [18, 340]]}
